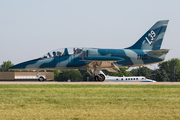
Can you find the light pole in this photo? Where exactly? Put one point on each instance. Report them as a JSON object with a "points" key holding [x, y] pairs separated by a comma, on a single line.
{"points": [[174, 73]]}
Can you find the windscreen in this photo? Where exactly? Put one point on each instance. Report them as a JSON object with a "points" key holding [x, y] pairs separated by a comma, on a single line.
{"points": [[62, 52]]}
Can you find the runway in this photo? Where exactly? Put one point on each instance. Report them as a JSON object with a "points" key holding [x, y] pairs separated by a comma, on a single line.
{"points": [[91, 83]]}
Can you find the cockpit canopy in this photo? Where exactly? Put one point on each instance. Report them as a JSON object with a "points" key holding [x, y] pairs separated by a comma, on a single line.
{"points": [[62, 52]]}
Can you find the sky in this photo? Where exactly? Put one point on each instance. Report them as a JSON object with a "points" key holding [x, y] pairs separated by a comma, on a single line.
{"points": [[31, 28]]}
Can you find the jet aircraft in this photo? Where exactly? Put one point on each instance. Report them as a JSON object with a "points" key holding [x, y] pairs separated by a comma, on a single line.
{"points": [[144, 52], [125, 79]]}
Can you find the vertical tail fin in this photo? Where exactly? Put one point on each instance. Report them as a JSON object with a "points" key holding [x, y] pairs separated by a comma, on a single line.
{"points": [[153, 38]]}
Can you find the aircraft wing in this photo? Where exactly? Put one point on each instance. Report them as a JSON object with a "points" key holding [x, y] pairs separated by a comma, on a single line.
{"points": [[107, 65], [111, 69], [103, 62]]}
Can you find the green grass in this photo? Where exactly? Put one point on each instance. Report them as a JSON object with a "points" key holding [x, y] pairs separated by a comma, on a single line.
{"points": [[79, 102]]}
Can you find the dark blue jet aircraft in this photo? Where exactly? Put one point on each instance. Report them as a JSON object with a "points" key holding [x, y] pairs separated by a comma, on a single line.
{"points": [[145, 51]]}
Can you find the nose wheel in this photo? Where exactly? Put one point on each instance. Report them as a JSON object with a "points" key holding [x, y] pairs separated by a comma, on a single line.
{"points": [[99, 77]]}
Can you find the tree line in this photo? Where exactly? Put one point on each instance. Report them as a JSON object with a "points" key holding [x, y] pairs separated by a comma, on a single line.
{"points": [[168, 71]]}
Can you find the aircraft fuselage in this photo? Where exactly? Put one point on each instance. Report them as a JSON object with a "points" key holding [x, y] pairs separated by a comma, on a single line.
{"points": [[123, 58], [144, 52]]}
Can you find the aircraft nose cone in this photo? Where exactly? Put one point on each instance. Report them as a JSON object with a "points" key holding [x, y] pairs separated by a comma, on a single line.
{"points": [[24, 65], [18, 66]]}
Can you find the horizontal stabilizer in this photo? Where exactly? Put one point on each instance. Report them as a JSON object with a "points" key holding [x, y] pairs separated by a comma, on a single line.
{"points": [[159, 51], [103, 58]]}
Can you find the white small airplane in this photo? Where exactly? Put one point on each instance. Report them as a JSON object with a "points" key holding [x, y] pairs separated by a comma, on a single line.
{"points": [[125, 79]]}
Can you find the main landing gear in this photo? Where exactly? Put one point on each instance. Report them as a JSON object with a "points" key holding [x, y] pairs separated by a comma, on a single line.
{"points": [[97, 75]]}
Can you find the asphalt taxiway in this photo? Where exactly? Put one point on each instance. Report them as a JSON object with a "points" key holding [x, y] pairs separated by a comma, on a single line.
{"points": [[93, 83]]}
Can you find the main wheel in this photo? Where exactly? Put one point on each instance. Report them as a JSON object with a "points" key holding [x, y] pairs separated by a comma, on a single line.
{"points": [[41, 79], [100, 77]]}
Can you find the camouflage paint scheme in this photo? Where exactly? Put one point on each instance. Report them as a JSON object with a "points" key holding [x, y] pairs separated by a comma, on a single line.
{"points": [[145, 51]]}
